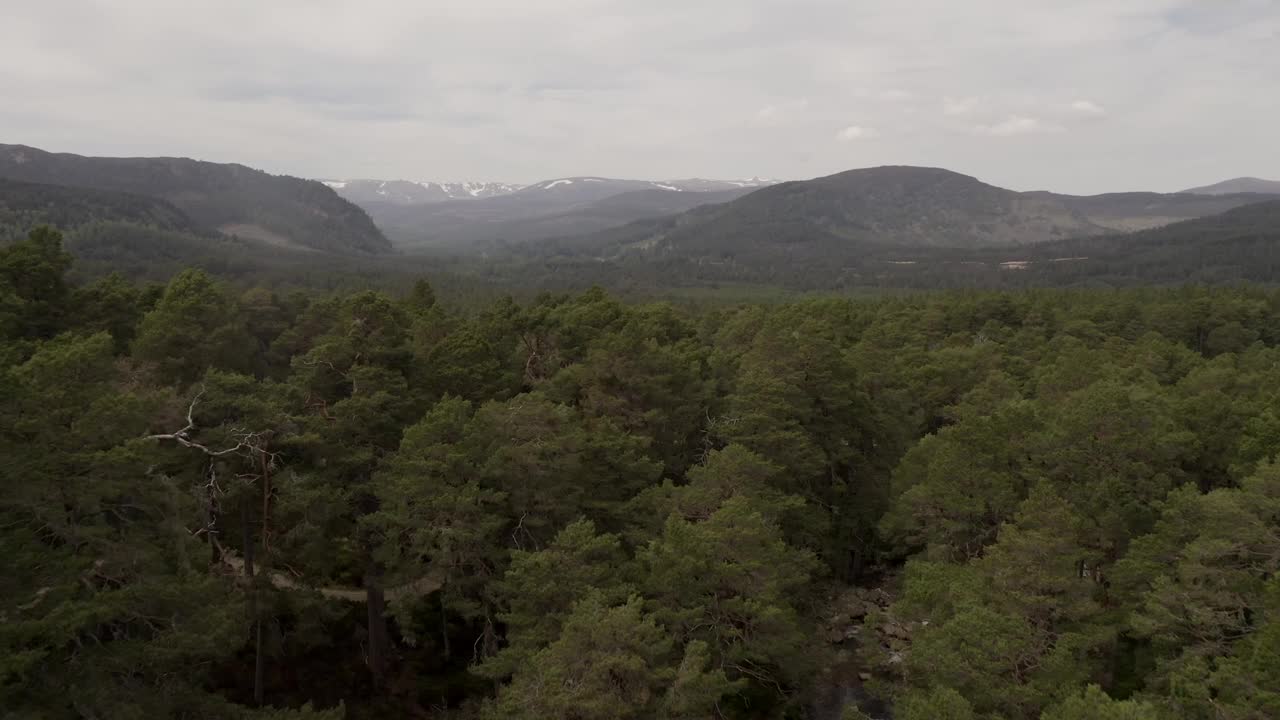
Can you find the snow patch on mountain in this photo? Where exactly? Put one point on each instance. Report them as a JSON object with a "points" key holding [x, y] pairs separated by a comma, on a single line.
{"points": [[425, 192], [405, 192]]}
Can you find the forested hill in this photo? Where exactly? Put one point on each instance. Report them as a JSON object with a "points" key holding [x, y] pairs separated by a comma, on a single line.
{"points": [[1241, 244], [835, 218], [234, 503], [832, 216], [228, 198], [26, 205]]}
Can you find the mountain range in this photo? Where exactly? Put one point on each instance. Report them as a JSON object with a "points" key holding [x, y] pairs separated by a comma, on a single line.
{"points": [[227, 199], [871, 226], [405, 192], [571, 189], [894, 205]]}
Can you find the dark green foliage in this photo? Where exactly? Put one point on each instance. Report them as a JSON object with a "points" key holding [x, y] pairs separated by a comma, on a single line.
{"points": [[193, 327], [253, 503], [23, 205], [33, 291]]}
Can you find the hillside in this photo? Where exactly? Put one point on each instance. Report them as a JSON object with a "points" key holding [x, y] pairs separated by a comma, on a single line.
{"points": [[1242, 243], [1126, 212], [216, 197], [1239, 185], [25, 205], [830, 218]]}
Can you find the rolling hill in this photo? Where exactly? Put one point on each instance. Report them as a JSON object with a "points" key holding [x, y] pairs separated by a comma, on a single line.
{"points": [[833, 218], [1127, 212], [859, 227], [1241, 244], [227, 198], [1239, 185]]}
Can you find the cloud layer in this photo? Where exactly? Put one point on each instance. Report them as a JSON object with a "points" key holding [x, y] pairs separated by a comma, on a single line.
{"points": [[1085, 96]]}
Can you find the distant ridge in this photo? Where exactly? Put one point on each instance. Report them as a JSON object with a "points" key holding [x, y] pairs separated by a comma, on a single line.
{"points": [[558, 190], [216, 197], [1239, 185], [815, 227], [406, 192]]}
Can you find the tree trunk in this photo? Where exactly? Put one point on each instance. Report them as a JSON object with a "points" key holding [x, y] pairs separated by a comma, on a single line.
{"points": [[266, 500], [259, 663], [378, 636], [444, 627], [211, 517]]}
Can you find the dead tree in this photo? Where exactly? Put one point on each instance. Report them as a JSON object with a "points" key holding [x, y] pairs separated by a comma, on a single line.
{"points": [[253, 447]]}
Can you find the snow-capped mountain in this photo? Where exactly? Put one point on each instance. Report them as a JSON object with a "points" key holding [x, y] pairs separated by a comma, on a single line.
{"points": [[683, 185], [583, 189], [572, 189], [453, 214], [704, 185], [587, 188], [405, 192]]}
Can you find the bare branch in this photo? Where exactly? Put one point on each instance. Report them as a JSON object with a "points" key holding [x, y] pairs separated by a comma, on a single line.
{"points": [[248, 441]]}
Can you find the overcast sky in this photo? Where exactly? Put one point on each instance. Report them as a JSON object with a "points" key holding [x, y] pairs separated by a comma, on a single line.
{"points": [[1070, 95]]}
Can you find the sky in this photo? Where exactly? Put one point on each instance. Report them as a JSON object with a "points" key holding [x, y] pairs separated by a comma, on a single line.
{"points": [[1075, 96]]}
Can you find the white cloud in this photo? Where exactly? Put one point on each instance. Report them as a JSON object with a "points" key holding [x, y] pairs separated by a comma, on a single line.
{"points": [[767, 113], [1087, 108], [856, 132], [1016, 125], [955, 107], [897, 95], [778, 114]]}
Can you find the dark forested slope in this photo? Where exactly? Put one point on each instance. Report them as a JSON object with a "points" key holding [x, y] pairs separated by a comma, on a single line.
{"points": [[25, 205], [228, 198], [1133, 211], [707, 246]]}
